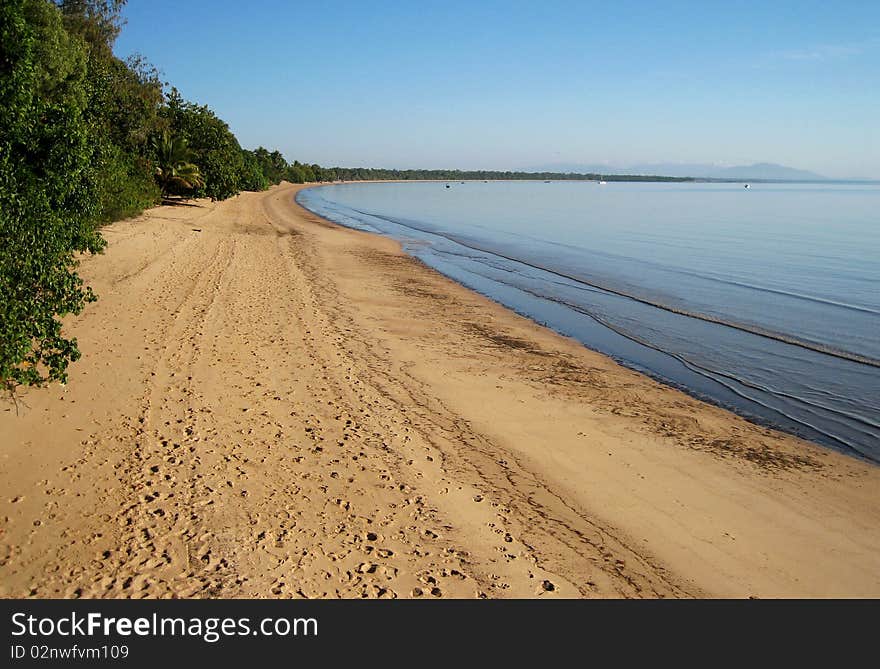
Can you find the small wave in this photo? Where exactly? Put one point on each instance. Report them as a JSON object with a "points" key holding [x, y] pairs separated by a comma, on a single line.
{"points": [[778, 291], [733, 383]]}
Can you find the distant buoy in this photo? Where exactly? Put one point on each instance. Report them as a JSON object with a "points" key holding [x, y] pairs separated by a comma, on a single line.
{"points": [[447, 185]]}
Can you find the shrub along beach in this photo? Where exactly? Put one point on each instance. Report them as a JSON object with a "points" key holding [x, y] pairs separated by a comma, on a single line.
{"points": [[265, 404]]}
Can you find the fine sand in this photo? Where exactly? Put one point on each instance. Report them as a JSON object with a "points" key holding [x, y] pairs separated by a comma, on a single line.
{"points": [[269, 405]]}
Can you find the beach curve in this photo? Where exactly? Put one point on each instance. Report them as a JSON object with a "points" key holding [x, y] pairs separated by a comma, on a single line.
{"points": [[272, 405]]}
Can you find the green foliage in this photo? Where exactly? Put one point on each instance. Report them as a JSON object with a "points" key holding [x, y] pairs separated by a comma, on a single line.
{"points": [[273, 165], [252, 175], [305, 173], [123, 112], [296, 174], [47, 194], [174, 171], [214, 148], [98, 22], [126, 185]]}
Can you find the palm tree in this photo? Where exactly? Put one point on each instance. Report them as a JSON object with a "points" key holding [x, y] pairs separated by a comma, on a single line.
{"points": [[174, 171]]}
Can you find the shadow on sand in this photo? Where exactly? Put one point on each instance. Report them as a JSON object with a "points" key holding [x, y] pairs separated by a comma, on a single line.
{"points": [[172, 201]]}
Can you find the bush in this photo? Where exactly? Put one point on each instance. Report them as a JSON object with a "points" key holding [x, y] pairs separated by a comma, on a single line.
{"points": [[214, 148], [126, 185], [47, 191], [252, 176]]}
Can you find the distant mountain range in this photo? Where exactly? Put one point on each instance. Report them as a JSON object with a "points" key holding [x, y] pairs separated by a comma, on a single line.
{"points": [[697, 170]]}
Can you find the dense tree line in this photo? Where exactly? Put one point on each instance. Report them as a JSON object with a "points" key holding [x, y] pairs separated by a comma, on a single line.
{"points": [[374, 174]]}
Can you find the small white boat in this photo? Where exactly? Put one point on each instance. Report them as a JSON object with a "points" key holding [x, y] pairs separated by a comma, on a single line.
{"points": [[602, 183], [746, 186]]}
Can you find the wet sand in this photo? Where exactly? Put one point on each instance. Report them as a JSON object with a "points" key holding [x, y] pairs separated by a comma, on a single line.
{"points": [[269, 405]]}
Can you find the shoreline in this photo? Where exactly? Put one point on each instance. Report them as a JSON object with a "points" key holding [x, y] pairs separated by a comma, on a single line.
{"points": [[275, 405], [750, 408]]}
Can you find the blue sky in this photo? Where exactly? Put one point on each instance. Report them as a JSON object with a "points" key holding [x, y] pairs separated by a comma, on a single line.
{"points": [[513, 84]]}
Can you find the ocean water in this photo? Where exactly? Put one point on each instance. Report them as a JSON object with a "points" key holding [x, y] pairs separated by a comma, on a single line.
{"points": [[763, 300]]}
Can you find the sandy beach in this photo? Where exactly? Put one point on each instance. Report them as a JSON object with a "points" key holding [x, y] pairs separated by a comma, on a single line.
{"points": [[270, 405]]}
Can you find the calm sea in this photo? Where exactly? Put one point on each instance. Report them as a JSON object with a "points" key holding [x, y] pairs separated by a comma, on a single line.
{"points": [[763, 300]]}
